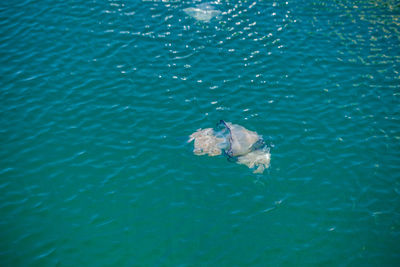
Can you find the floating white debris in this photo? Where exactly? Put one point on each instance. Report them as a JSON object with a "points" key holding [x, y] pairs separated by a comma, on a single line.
{"points": [[241, 139], [247, 147], [256, 158], [206, 142]]}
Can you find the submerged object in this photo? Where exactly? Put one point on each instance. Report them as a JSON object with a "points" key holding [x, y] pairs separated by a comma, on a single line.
{"points": [[245, 146], [202, 12]]}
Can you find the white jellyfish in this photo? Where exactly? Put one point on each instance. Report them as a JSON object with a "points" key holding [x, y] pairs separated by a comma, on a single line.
{"points": [[202, 12], [246, 146]]}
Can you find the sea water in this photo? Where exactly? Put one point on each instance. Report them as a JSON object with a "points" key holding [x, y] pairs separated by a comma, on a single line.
{"points": [[98, 99]]}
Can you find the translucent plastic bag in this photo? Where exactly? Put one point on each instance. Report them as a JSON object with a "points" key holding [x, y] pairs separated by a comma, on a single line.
{"points": [[257, 159], [207, 142], [243, 146], [240, 140]]}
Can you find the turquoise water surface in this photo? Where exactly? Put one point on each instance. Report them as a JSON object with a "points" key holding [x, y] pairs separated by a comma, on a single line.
{"points": [[98, 99]]}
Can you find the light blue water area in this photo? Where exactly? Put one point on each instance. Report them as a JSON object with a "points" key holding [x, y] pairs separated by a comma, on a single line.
{"points": [[98, 99]]}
